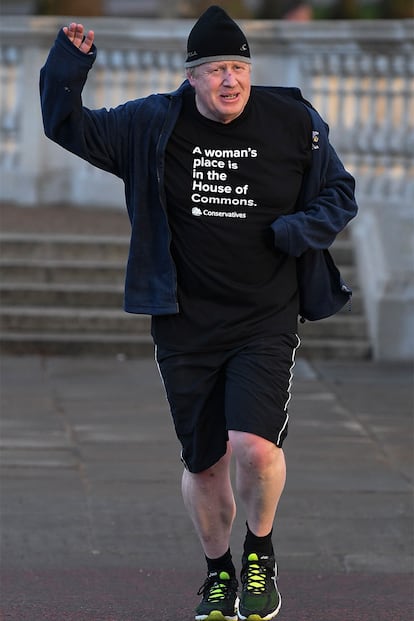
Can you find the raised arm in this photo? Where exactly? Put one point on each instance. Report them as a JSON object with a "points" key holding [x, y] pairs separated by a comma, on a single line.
{"points": [[98, 136]]}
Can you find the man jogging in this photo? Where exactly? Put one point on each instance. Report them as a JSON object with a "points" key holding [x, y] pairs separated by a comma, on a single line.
{"points": [[229, 187]]}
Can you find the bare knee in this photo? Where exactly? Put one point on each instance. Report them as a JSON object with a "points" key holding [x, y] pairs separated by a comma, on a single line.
{"points": [[216, 477], [254, 452]]}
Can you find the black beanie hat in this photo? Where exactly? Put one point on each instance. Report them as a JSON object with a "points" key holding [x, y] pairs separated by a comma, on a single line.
{"points": [[215, 36]]}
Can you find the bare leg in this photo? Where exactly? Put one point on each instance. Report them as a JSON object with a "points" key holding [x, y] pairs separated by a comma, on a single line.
{"points": [[260, 479], [208, 497]]}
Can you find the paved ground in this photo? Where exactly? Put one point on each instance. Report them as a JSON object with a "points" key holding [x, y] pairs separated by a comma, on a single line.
{"points": [[63, 219], [92, 522]]}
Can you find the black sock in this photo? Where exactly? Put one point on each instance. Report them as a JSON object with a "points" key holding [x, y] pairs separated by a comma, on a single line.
{"points": [[260, 545], [223, 563]]}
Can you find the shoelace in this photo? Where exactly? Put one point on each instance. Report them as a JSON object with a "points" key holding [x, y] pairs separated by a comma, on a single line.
{"points": [[256, 576], [217, 591]]}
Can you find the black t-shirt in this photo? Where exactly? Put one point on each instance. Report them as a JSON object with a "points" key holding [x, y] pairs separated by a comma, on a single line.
{"points": [[225, 185]]}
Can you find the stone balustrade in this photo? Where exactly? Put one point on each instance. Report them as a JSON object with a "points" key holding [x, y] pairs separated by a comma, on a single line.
{"points": [[359, 75]]}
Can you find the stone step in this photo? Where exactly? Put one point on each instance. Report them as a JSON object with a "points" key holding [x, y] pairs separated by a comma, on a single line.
{"points": [[76, 320], [343, 323], [140, 345], [74, 344], [101, 247], [341, 348], [62, 295], [61, 271], [51, 271], [60, 247], [343, 252], [102, 320], [100, 296]]}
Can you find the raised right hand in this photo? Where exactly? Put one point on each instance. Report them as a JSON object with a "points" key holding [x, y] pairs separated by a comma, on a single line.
{"points": [[75, 34]]}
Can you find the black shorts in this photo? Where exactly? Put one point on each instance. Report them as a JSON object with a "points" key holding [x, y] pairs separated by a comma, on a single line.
{"points": [[243, 389]]}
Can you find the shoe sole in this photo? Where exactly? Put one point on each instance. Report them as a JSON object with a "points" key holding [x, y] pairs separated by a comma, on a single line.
{"points": [[259, 618], [215, 615], [256, 617]]}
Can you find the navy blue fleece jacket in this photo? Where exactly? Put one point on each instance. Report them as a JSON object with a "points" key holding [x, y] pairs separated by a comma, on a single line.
{"points": [[130, 140]]}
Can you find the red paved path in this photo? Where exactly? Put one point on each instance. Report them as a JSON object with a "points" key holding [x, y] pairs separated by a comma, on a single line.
{"points": [[129, 595]]}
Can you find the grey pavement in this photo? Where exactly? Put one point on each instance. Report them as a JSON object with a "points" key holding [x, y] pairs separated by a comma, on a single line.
{"points": [[92, 522]]}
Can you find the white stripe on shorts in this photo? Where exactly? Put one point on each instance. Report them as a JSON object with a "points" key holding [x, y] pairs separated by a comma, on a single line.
{"points": [[289, 390]]}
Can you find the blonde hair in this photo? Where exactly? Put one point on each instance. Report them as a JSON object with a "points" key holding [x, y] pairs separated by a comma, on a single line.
{"points": [[191, 71]]}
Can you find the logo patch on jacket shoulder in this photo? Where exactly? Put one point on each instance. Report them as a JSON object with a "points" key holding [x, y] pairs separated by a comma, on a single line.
{"points": [[315, 140]]}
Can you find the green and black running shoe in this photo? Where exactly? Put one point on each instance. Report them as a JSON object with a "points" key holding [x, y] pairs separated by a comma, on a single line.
{"points": [[220, 599], [260, 599]]}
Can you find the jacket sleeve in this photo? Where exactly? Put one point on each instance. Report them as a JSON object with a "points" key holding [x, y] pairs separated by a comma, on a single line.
{"points": [[327, 205], [98, 136]]}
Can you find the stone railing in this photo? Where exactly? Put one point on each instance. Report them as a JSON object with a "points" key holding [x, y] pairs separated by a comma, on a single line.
{"points": [[359, 75]]}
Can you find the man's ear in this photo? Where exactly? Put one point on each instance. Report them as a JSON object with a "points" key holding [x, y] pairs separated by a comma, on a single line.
{"points": [[190, 76]]}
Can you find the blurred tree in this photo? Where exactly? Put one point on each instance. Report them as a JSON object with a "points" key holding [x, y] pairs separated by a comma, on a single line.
{"points": [[235, 8], [397, 9], [239, 9], [380, 9], [70, 7], [298, 10], [346, 9]]}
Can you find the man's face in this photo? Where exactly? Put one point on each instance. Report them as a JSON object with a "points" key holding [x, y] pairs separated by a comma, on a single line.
{"points": [[222, 89]]}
